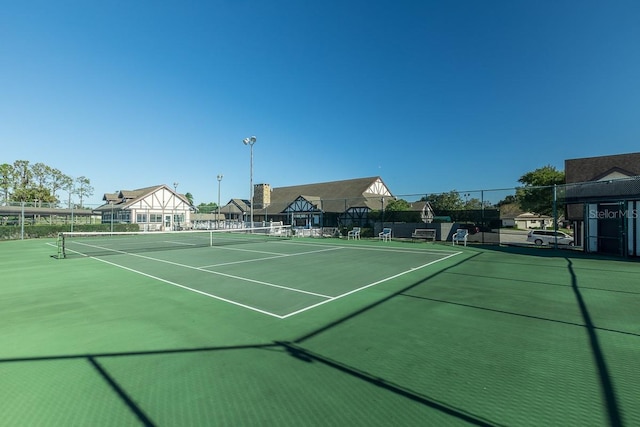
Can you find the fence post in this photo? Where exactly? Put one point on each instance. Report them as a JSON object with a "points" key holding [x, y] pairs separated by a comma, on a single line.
{"points": [[482, 214], [555, 216], [22, 220]]}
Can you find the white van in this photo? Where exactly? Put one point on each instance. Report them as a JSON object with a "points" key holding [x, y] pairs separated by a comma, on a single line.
{"points": [[548, 237]]}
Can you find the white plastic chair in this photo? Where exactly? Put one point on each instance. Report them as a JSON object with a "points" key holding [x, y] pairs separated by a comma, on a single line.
{"points": [[460, 236], [354, 233], [385, 235]]}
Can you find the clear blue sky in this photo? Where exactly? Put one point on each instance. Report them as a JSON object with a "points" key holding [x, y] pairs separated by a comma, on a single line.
{"points": [[138, 93]]}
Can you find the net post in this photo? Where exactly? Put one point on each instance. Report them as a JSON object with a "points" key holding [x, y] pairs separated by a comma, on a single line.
{"points": [[60, 245]]}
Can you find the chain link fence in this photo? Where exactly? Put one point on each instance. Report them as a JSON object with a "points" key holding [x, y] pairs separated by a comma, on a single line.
{"points": [[597, 216]]}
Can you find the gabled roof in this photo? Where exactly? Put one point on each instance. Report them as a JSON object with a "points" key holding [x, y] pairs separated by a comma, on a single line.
{"points": [[111, 197], [594, 168], [526, 216], [312, 200], [599, 179], [602, 191], [334, 196], [125, 198], [613, 173], [235, 206], [426, 211]]}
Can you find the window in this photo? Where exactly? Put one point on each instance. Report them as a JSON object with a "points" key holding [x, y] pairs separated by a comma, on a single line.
{"points": [[124, 216], [155, 217], [141, 218]]}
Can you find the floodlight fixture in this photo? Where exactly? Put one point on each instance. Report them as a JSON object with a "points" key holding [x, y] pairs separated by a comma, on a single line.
{"points": [[219, 177], [250, 141]]}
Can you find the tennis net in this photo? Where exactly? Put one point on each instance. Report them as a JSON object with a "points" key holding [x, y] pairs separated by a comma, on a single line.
{"points": [[106, 243]]}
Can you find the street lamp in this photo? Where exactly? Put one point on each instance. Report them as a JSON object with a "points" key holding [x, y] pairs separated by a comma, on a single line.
{"points": [[250, 141], [175, 192], [219, 180]]}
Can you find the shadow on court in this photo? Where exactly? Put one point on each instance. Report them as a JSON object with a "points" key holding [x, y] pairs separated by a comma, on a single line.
{"points": [[497, 337]]}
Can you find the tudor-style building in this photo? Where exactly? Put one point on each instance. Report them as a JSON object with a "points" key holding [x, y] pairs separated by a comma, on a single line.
{"points": [[603, 203], [236, 210], [153, 208], [333, 203]]}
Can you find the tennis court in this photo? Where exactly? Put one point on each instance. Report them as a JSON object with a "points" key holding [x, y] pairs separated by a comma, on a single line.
{"points": [[317, 332], [275, 277]]}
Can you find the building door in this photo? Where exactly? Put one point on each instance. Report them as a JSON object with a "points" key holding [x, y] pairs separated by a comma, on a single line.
{"points": [[633, 228], [611, 236], [167, 222]]}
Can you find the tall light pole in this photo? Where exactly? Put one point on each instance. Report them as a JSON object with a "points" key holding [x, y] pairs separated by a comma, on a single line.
{"points": [[219, 180], [175, 192], [250, 141]]}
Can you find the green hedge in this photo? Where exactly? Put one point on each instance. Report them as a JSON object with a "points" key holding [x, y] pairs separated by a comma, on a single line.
{"points": [[37, 231]]}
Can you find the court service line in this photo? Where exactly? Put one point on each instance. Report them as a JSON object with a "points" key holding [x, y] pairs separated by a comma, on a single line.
{"points": [[206, 271], [180, 243], [386, 279], [247, 250], [188, 288], [270, 257], [369, 248]]}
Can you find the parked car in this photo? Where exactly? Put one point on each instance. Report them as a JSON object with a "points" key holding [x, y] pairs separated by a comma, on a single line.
{"points": [[548, 237]]}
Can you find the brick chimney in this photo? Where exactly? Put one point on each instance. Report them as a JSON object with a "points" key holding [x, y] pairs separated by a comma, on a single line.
{"points": [[261, 196]]}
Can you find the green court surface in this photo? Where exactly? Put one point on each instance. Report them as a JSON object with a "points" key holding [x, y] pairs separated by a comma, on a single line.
{"points": [[318, 332]]}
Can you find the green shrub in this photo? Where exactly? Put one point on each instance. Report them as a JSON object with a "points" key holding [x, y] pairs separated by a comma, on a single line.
{"points": [[10, 232], [366, 232]]}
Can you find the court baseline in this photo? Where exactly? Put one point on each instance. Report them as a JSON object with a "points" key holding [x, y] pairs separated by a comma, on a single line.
{"points": [[274, 255]]}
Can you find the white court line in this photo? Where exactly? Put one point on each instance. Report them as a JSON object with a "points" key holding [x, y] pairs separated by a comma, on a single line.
{"points": [[189, 289], [245, 279], [180, 243], [369, 285], [223, 248], [328, 298], [391, 249], [267, 258]]}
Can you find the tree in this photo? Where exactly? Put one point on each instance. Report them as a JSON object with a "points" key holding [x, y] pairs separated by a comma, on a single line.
{"points": [[28, 182], [537, 194], [450, 201], [34, 194], [6, 179], [22, 174], [83, 188], [57, 181], [207, 207], [22, 181], [41, 175], [67, 185], [510, 199], [396, 205], [473, 203], [189, 197]]}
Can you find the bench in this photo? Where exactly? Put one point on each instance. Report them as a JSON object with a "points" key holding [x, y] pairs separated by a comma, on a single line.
{"points": [[424, 233]]}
